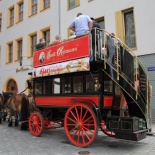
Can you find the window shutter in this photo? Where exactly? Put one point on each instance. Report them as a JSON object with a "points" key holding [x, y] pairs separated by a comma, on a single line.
{"points": [[119, 26]]}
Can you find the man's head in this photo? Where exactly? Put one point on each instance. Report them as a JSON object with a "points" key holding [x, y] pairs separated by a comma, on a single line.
{"points": [[79, 14], [41, 40], [58, 37], [92, 18]]}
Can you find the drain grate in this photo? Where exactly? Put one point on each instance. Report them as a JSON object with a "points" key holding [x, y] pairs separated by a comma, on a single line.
{"points": [[84, 152]]}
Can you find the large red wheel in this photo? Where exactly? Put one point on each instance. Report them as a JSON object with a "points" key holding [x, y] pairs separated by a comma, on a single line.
{"points": [[36, 124], [80, 125], [104, 129]]}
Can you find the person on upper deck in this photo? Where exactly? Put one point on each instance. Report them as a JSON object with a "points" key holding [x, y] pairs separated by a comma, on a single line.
{"points": [[57, 40], [41, 44], [72, 35], [95, 32], [81, 25]]}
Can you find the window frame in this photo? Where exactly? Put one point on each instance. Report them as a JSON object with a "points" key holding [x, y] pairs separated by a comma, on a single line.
{"points": [[30, 8], [18, 52], [21, 11], [30, 51], [120, 25], [46, 33], [77, 3], [11, 16], [43, 6], [9, 52], [34, 5]]}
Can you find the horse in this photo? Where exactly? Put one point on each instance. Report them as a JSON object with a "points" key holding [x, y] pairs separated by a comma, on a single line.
{"points": [[17, 106], [3, 99], [20, 106], [1, 104]]}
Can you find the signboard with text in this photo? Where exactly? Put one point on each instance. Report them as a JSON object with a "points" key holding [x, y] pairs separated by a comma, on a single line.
{"points": [[64, 51], [151, 68], [77, 65]]}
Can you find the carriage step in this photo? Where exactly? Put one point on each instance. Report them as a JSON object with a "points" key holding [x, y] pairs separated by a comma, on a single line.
{"points": [[136, 136]]}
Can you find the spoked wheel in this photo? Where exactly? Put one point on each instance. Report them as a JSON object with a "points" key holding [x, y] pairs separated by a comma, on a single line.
{"points": [[104, 129], [36, 124], [80, 125]]}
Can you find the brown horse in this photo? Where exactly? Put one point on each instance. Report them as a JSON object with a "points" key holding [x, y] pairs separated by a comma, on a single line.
{"points": [[20, 106], [1, 105], [3, 99], [17, 106]]}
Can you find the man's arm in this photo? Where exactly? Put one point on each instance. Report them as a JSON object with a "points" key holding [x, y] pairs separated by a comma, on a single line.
{"points": [[72, 28], [90, 25]]}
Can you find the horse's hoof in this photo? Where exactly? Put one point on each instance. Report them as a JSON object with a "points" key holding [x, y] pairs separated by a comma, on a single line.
{"points": [[16, 124], [9, 125]]}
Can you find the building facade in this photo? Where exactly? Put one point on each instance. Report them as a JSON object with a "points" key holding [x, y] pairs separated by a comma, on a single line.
{"points": [[24, 22]]}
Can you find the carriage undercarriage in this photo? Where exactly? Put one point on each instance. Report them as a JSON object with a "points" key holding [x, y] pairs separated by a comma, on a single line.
{"points": [[82, 123]]}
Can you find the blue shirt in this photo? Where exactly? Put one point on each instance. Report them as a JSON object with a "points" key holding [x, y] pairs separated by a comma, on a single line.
{"points": [[81, 24]]}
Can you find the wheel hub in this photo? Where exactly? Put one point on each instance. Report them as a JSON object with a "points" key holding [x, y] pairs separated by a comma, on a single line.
{"points": [[78, 125]]}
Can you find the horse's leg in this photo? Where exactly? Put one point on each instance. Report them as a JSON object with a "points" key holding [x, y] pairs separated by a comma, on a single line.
{"points": [[5, 115], [16, 119], [10, 121]]}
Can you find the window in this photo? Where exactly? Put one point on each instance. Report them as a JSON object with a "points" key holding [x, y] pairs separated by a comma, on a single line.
{"points": [[92, 83], [18, 49], [38, 87], [125, 27], [20, 16], [47, 88], [45, 33], [11, 16], [0, 22], [46, 4], [73, 3], [34, 6], [33, 43], [10, 53], [56, 85], [130, 38], [78, 84], [101, 22], [66, 85], [19, 46]]}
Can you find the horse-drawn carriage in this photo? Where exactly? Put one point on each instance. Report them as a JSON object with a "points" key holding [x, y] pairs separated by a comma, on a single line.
{"points": [[82, 96]]}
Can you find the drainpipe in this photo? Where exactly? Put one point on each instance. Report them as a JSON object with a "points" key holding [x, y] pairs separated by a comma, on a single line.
{"points": [[59, 16]]}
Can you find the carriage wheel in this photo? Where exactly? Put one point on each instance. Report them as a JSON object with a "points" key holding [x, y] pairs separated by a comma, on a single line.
{"points": [[104, 129], [80, 125], [36, 124]]}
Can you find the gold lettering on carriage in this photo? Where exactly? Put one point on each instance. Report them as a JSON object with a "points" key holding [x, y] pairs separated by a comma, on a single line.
{"points": [[60, 52]]}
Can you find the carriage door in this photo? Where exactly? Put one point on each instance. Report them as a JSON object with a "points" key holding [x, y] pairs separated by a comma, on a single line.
{"points": [[12, 86]]}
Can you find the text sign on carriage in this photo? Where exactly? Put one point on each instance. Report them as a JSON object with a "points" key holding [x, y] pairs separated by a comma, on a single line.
{"points": [[65, 51], [76, 65]]}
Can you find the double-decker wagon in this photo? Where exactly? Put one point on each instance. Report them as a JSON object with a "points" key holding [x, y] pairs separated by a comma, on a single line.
{"points": [[82, 95]]}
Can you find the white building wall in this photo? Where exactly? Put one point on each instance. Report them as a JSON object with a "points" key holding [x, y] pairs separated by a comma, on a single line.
{"points": [[144, 25]]}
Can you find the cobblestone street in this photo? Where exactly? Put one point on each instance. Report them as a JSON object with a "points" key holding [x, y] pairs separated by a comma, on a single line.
{"points": [[54, 142]]}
